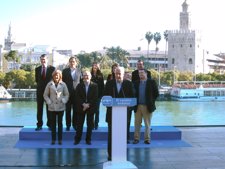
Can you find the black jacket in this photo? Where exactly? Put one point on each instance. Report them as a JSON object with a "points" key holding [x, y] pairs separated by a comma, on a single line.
{"points": [[91, 97], [151, 94], [126, 91], [135, 75]]}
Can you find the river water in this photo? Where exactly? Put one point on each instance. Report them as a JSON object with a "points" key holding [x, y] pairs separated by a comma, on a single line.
{"points": [[172, 113]]}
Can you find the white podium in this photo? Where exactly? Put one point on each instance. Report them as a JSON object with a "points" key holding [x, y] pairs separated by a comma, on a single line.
{"points": [[119, 132]]}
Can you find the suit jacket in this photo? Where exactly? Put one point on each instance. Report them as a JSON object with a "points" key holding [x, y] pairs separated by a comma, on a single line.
{"points": [[41, 84], [67, 78], [56, 97], [99, 80], [126, 91], [151, 94], [135, 75], [91, 97]]}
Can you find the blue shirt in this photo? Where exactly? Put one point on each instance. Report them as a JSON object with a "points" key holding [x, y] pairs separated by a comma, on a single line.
{"points": [[142, 87]]}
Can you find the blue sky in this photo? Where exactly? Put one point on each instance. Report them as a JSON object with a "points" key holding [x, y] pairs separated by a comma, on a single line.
{"points": [[92, 24]]}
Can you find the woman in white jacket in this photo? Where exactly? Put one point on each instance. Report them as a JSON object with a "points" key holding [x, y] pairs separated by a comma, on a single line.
{"points": [[56, 96]]}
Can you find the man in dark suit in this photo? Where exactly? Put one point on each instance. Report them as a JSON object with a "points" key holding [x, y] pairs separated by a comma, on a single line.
{"points": [[43, 75], [135, 75], [117, 88], [72, 77], [86, 106], [146, 91]]}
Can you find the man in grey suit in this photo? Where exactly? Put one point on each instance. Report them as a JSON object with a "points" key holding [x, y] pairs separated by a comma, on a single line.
{"points": [[72, 77]]}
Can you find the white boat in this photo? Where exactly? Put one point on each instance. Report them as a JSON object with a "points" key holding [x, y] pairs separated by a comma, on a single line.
{"points": [[198, 91], [4, 94]]}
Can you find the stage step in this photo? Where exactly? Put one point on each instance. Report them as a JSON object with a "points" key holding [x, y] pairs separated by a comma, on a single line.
{"points": [[157, 133]]}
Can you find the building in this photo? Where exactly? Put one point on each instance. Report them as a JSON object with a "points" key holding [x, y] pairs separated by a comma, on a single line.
{"points": [[185, 49], [10, 44]]}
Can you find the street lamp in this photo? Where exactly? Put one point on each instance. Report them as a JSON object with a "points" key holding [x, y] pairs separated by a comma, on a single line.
{"points": [[159, 73], [174, 77]]}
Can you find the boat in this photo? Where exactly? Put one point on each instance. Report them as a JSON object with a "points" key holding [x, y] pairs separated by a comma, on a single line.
{"points": [[4, 94], [198, 91]]}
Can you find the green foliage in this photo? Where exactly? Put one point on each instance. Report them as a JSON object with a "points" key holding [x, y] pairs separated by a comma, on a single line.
{"points": [[149, 37], [186, 76], [13, 55], [118, 55], [106, 72], [28, 67], [26, 79], [19, 79], [86, 59]]}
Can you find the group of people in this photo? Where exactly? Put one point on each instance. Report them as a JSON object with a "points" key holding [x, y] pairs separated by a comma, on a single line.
{"points": [[81, 91]]}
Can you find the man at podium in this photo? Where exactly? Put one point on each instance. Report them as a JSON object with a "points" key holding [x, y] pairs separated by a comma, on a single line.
{"points": [[116, 88]]}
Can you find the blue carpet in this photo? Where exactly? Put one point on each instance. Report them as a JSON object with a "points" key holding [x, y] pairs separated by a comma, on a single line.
{"points": [[161, 136], [157, 133], [97, 144]]}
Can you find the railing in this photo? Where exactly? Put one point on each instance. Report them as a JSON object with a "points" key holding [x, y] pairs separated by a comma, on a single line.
{"points": [[23, 94]]}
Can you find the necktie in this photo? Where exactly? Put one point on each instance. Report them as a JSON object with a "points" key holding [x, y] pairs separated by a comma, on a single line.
{"points": [[43, 73]]}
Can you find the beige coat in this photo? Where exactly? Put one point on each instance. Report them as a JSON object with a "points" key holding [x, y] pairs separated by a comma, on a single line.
{"points": [[56, 98]]}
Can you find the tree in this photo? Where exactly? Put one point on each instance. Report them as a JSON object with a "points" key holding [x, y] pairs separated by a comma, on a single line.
{"points": [[2, 76], [148, 37], [157, 38], [86, 59], [166, 33], [106, 62], [118, 55], [28, 67], [14, 56]]}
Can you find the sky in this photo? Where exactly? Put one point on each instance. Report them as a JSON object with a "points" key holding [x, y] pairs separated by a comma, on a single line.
{"points": [[90, 25]]}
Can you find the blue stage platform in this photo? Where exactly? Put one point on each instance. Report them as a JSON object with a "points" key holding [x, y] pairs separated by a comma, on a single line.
{"points": [[164, 136]]}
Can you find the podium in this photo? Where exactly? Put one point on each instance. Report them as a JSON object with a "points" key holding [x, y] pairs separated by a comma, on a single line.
{"points": [[119, 132]]}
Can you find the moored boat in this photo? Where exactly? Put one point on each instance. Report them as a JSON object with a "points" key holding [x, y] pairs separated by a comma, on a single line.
{"points": [[4, 94], [198, 91]]}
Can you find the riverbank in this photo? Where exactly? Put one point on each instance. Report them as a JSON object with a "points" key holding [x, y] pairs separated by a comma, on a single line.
{"points": [[30, 95]]}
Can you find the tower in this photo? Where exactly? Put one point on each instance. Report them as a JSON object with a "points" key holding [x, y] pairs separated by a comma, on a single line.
{"points": [[185, 18], [8, 40], [185, 52]]}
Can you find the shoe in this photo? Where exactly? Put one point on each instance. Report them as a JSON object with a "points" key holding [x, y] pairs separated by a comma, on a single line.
{"points": [[67, 128], [60, 142], [147, 142], [96, 127], [38, 128], [135, 141], [76, 142], [109, 158], [53, 142], [88, 142]]}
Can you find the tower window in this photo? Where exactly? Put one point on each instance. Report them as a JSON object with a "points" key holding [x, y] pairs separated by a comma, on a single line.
{"points": [[190, 61], [173, 61], [181, 45], [173, 46], [190, 45]]}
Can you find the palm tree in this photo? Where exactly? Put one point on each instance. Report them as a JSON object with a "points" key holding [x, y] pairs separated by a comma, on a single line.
{"points": [[166, 33], [118, 55], [157, 38], [148, 37]]}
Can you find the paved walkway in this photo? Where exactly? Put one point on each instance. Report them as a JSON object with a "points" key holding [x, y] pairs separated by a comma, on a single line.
{"points": [[207, 152]]}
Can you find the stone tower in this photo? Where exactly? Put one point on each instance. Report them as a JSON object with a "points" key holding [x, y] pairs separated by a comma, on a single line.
{"points": [[8, 40], [185, 52]]}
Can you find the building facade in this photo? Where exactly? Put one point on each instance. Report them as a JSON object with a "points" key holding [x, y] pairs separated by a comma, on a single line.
{"points": [[185, 50]]}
